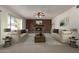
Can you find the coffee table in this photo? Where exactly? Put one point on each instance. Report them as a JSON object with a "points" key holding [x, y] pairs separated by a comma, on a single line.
{"points": [[39, 38]]}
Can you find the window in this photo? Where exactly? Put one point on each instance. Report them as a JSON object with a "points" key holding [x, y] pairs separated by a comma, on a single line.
{"points": [[9, 20], [14, 23]]}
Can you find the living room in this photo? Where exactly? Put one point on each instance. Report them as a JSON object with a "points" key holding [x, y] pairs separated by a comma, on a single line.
{"points": [[58, 24]]}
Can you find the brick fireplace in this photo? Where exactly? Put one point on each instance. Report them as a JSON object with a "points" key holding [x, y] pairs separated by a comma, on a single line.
{"points": [[46, 22]]}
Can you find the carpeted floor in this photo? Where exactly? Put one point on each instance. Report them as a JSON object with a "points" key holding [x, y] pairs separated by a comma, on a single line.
{"points": [[50, 46]]}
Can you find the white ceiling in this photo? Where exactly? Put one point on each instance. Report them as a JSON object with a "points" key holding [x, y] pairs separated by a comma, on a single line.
{"points": [[28, 11]]}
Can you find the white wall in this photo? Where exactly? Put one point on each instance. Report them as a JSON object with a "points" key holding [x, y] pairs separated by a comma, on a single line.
{"points": [[73, 15], [3, 24], [24, 24], [0, 26]]}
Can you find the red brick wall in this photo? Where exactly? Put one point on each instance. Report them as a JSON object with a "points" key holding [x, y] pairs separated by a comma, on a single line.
{"points": [[31, 22]]}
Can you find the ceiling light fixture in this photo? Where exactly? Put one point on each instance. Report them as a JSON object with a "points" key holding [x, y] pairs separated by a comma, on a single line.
{"points": [[39, 15]]}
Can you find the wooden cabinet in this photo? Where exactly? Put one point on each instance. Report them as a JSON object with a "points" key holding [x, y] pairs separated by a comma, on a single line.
{"points": [[39, 38]]}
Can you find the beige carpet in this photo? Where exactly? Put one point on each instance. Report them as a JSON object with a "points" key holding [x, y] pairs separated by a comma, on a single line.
{"points": [[51, 46]]}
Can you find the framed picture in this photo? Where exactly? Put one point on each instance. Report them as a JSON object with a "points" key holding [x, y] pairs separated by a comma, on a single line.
{"points": [[39, 22]]}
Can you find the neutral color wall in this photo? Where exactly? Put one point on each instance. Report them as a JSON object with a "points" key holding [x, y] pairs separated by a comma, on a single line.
{"points": [[73, 15], [24, 24], [3, 24], [0, 25]]}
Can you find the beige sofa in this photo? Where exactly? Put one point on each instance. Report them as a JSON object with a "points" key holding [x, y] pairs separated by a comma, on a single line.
{"points": [[16, 36], [66, 34]]}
